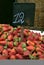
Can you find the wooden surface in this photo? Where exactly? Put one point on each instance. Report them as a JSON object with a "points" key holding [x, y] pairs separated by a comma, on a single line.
{"points": [[39, 12]]}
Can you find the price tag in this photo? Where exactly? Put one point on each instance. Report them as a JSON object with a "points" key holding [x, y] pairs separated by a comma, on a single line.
{"points": [[23, 14]]}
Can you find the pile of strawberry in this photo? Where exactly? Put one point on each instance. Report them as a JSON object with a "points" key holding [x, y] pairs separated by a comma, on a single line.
{"points": [[12, 46]]}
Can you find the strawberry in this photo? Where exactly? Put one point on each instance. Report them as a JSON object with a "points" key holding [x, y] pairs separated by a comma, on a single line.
{"points": [[42, 48], [24, 39], [13, 51], [30, 38], [39, 53], [18, 56], [5, 25], [4, 36], [8, 49], [30, 42], [25, 33], [2, 39], [0, 33], [38, 45], [10, 44], [34, 54], [2, 57], [41, 56], [1, 48], [16, 38], [5, 29], [38, 49], [5, 53], [15, 43], [11, 29], [19, 50], [19, 27], [26, 53], [3, 42], [10, 37], [12, 57], [23, 45], [42, 45], [30, 48], [15, 32], [36, 42]]}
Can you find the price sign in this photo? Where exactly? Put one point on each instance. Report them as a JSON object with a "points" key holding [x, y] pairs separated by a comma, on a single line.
{"points": [[23, 14]]}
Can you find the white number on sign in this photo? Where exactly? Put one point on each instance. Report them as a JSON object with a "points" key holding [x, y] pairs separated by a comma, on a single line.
{"points": [[19, 17]]}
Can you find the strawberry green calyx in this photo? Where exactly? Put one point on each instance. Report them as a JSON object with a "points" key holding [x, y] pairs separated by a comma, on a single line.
{"points": [[19, 27], [31, 56], [19, 39], [24, 49], [23, 45], [15, 43], [5, 36], [16, 39], [5, 47], [14, 28]]}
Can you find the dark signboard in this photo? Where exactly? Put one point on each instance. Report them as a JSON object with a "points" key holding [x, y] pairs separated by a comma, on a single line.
{"points": [[23, 14]]}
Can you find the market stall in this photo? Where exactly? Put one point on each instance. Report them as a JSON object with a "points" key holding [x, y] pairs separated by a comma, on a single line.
{"points": [[17, 39]]}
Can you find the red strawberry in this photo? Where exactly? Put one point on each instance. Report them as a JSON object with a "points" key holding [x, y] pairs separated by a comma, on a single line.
{"points": [[1, 39], [3, 42], [10, 37], [25, 33], [0, 33], [13, 51], [30, 48], [34, 54], [1, 48], [2, 57], [38, 49], [4, 36], [18, 56], [42, 45], [38, 45], [26, 53], [8, 49], [36, 42], [5, 29], [24, 39], [10, 44], [30, 38], [12, 57], [11, 29], [39, 53], [19, 50], [5, 25], [15, 32], [5, 53], [41, 56], [30, 43], [42, 48], [19, 27]]}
